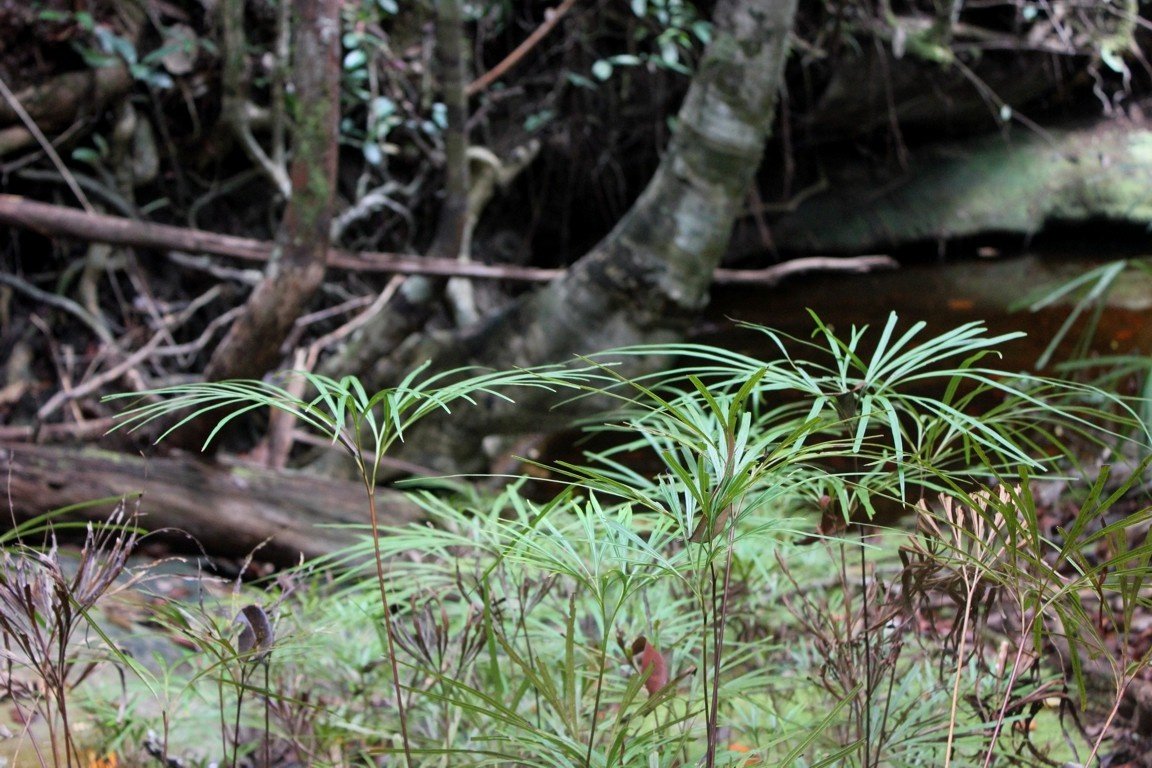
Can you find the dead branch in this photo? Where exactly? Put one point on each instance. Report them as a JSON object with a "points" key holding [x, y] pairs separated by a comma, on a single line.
{"points": [[60, 302], [93, 384], [61, 221], [13, 102], [770, 276]]}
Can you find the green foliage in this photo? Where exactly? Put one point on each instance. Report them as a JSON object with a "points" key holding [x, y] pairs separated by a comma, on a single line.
{"points": [[672, 29], [367, 52], [1088, 295], [905, 409], [364, 425], [102, 46], [658, 610]]}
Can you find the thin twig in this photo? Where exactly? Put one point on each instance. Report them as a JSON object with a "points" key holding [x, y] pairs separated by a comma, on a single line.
{"points": [[46, 145], [328, 339], [100, 191], [551, 19], [248, 277], [202, 340], [329, 312], [60, 302], [94, 383], [777, 272]]}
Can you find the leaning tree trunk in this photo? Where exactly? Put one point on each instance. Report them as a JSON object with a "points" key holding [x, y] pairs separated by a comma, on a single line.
{"points": [[650, 276], [295, 272]]}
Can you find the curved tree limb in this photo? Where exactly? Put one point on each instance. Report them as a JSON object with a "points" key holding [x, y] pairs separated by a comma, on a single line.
{"points": [[650, 276], [235, 104]]}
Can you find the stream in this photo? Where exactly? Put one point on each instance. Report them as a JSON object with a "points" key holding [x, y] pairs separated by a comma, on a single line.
{"points": [[944, 295]]}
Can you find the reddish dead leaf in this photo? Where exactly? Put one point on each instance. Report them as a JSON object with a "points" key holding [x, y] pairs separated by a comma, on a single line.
{"points": [[832, 522], [652, 664], [706, 529]]}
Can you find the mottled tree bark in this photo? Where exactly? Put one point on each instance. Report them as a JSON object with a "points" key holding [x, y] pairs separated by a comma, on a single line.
{"points": [[295, 272], [650, 276]]}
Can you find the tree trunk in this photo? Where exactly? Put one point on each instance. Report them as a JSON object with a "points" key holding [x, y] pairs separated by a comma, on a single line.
{"points": [[232, 512], [650, 276], [252, 346]]}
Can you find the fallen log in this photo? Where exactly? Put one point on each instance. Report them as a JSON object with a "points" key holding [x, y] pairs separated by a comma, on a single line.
{"points": [[1014, 184], [229, 511]]}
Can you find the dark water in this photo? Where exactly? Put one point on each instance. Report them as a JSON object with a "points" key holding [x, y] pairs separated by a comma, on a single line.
{"points": [[944, 296]]}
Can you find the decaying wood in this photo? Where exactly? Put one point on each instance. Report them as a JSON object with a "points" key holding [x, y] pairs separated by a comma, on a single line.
{"points": [[230, 511]]}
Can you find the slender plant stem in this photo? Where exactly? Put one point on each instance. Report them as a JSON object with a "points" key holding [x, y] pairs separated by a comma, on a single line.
{"points": [[389, 629], [599, 693], [882, 737], [267, 716], [705, 613], [1007, 695], [1123, 686], [25, 716], [866, 620], [960, 649], [522, 626], [712, 699], [236, 724], [60, 694], [718, 646], [223, 718]]}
